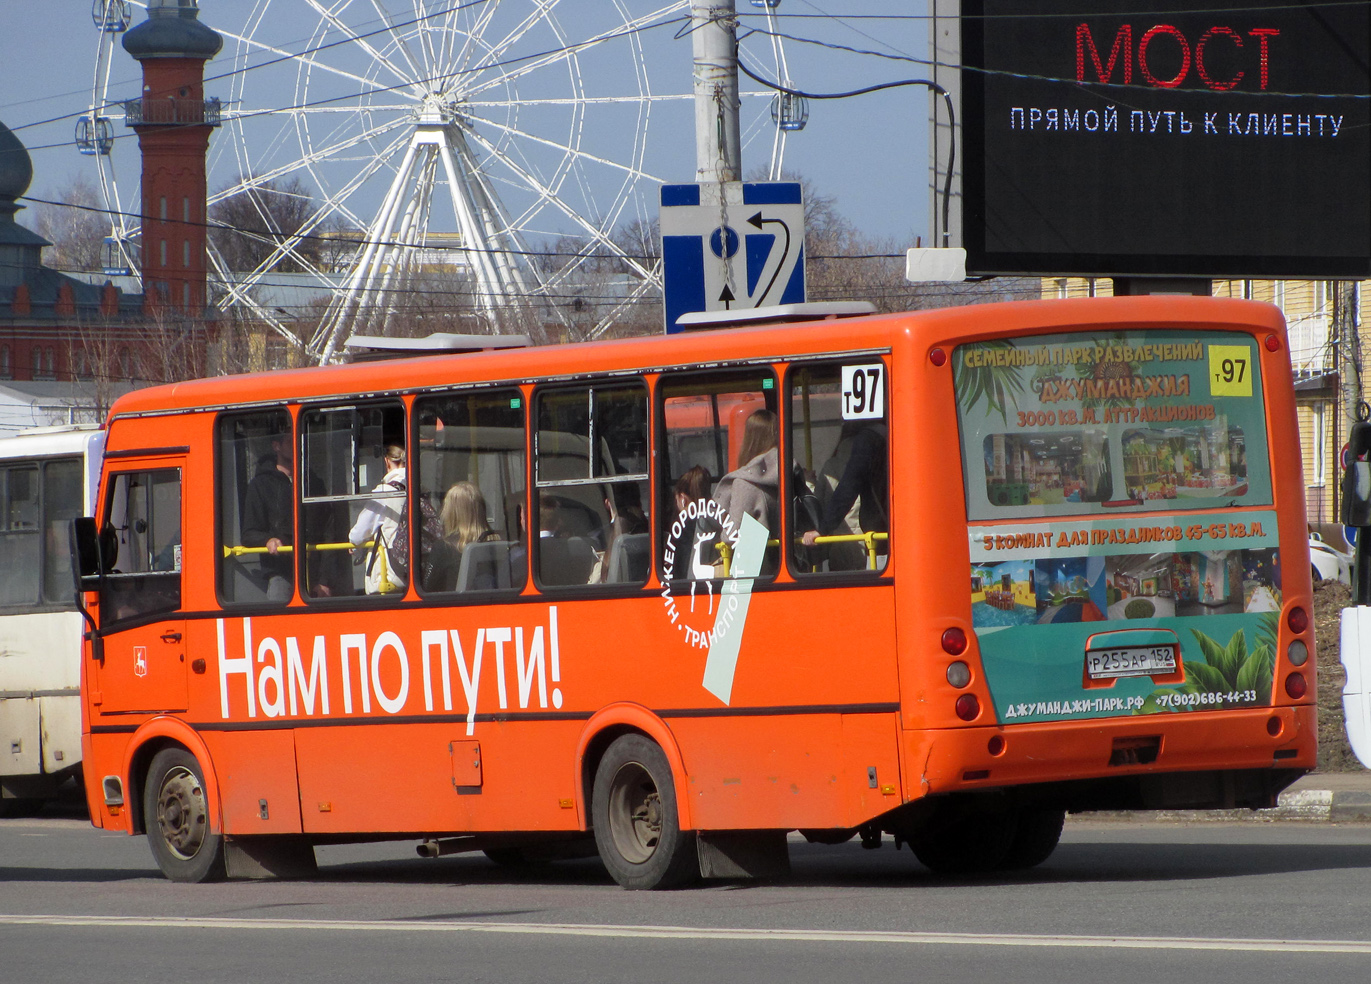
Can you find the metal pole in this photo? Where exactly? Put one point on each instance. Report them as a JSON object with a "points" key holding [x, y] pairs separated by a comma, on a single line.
{"points": [[1345, 329], [718, 156]]}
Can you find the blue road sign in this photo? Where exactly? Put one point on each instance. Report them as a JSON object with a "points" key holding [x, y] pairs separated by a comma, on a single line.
{"points": [[731, 245]]}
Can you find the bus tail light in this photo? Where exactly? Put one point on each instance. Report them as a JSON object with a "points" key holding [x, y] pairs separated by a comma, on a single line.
{"points": [[1295, 686], [995, 746], [1297, 652], [1273, 344], [968, 707], [958, 674], [1298, 619], [954, 641]]}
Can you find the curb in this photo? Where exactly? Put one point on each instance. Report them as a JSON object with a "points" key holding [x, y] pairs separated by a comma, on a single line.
{"points": [[1325, 805], [1320, 805]]}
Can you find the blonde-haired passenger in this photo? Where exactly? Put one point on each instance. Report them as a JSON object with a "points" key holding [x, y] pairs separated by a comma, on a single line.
{"points": [[465, 522]]}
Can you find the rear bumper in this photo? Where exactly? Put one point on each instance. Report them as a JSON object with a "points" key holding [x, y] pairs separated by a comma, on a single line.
{"points": [[1216, 744]]}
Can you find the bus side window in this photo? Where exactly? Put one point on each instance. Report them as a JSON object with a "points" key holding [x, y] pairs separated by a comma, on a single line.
{"points": [[471, 483], [62, 484], [592, 484], [839, 442], [353, 497], [20, 535], [256, 508], [720, 460], [144, 511]]}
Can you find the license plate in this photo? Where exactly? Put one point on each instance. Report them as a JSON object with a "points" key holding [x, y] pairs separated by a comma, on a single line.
{"points": [[1130, 661]]}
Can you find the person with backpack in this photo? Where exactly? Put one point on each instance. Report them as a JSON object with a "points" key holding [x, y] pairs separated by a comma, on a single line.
{"points": [[378, 524]]}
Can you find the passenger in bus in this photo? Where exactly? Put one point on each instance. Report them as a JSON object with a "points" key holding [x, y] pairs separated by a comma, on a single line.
{"points": [[624, 505], [753, 488], [465, 521], [852, 487], [692, 486], [378, 522], [268, 517]]}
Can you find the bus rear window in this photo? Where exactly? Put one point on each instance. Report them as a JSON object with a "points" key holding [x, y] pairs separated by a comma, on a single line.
{"points": [[1133, 421]]}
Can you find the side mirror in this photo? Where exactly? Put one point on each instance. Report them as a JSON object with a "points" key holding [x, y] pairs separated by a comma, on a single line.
{"points": [[85, 548], [86, 572]]}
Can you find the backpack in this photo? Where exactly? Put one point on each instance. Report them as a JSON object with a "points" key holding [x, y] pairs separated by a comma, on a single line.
{"points": [[430, 535]]}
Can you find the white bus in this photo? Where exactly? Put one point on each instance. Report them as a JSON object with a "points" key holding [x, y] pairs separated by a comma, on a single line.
{"points": [[48, 477]]}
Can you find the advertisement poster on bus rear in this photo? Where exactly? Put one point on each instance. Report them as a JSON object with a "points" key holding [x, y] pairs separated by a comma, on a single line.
{"points": [[1124, 551]]}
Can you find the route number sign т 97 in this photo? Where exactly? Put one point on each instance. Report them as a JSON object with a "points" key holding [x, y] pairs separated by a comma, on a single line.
{"points": [[863, 392]]}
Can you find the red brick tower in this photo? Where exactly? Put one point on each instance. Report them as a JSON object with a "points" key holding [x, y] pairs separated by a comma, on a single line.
{"points": [[173, 121]]}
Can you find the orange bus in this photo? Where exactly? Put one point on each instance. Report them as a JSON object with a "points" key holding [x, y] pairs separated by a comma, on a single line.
{"points": [[943, 575]]}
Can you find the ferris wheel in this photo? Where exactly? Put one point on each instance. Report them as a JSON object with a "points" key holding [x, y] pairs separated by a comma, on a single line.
{"points": [[477, 155]]}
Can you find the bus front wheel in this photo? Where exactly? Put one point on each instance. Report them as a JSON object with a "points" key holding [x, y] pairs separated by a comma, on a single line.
{"points": [[176, 814], [637, 829]]}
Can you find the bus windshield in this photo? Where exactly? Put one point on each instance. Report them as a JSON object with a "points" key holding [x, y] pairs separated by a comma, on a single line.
{"points": [[1130, 421]]}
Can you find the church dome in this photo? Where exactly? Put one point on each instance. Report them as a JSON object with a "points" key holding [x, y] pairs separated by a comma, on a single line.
{"points": [[16, 169], [172, 31]]}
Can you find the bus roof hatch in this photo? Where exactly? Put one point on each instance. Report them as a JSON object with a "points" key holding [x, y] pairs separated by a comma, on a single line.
{"points": [[370, 348], [775, 314]]}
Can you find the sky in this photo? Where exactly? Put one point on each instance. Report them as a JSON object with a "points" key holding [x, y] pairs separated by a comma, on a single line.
{"points": [[867, 152]]}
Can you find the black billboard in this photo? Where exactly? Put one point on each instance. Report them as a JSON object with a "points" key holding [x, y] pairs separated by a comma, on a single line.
{"points": [[1154, 137]]}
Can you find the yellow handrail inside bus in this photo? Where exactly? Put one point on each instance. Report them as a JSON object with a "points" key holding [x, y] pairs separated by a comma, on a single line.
{"points": [[726, 552], [868, 539], [286, 548]]}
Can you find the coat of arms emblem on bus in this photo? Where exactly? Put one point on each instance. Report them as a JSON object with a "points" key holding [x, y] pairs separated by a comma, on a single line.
{"points": [[740, 549]]}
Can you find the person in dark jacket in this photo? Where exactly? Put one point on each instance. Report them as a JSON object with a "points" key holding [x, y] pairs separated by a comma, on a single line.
{"points": [[269, 518], [858, 502]]}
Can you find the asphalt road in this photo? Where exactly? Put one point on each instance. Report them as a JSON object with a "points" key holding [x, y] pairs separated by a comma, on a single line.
{"points": [[1119, 902]]}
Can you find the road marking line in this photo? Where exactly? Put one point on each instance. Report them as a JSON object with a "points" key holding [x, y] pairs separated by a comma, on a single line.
{"points": [[696, 933]]}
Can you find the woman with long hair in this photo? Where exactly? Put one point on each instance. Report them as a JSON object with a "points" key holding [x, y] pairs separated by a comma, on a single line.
{"points": [[754, 487], [761, 433], [464, 516], [464, 519]]}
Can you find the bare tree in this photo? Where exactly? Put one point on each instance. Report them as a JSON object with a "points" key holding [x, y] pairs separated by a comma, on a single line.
{"points": [[842, 263], [247, 227], [77, 234]]}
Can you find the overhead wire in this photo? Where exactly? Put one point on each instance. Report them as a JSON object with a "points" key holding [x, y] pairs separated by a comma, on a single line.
{"points": [[376, 90]]}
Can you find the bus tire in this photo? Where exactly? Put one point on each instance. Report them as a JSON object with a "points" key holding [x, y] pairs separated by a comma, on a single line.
{"points": [[15, 809], [509, 857], [176, 814], [1035, 838], [637, 827], [964, 842]]}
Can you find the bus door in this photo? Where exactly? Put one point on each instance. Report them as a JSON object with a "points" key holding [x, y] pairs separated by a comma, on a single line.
{"points": [[144, 666]]}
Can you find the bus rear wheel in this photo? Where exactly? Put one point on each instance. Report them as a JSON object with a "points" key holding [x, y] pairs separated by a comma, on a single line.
{"points": [[1036, 835], [637, 828], [962, 841], [176, 813]]}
